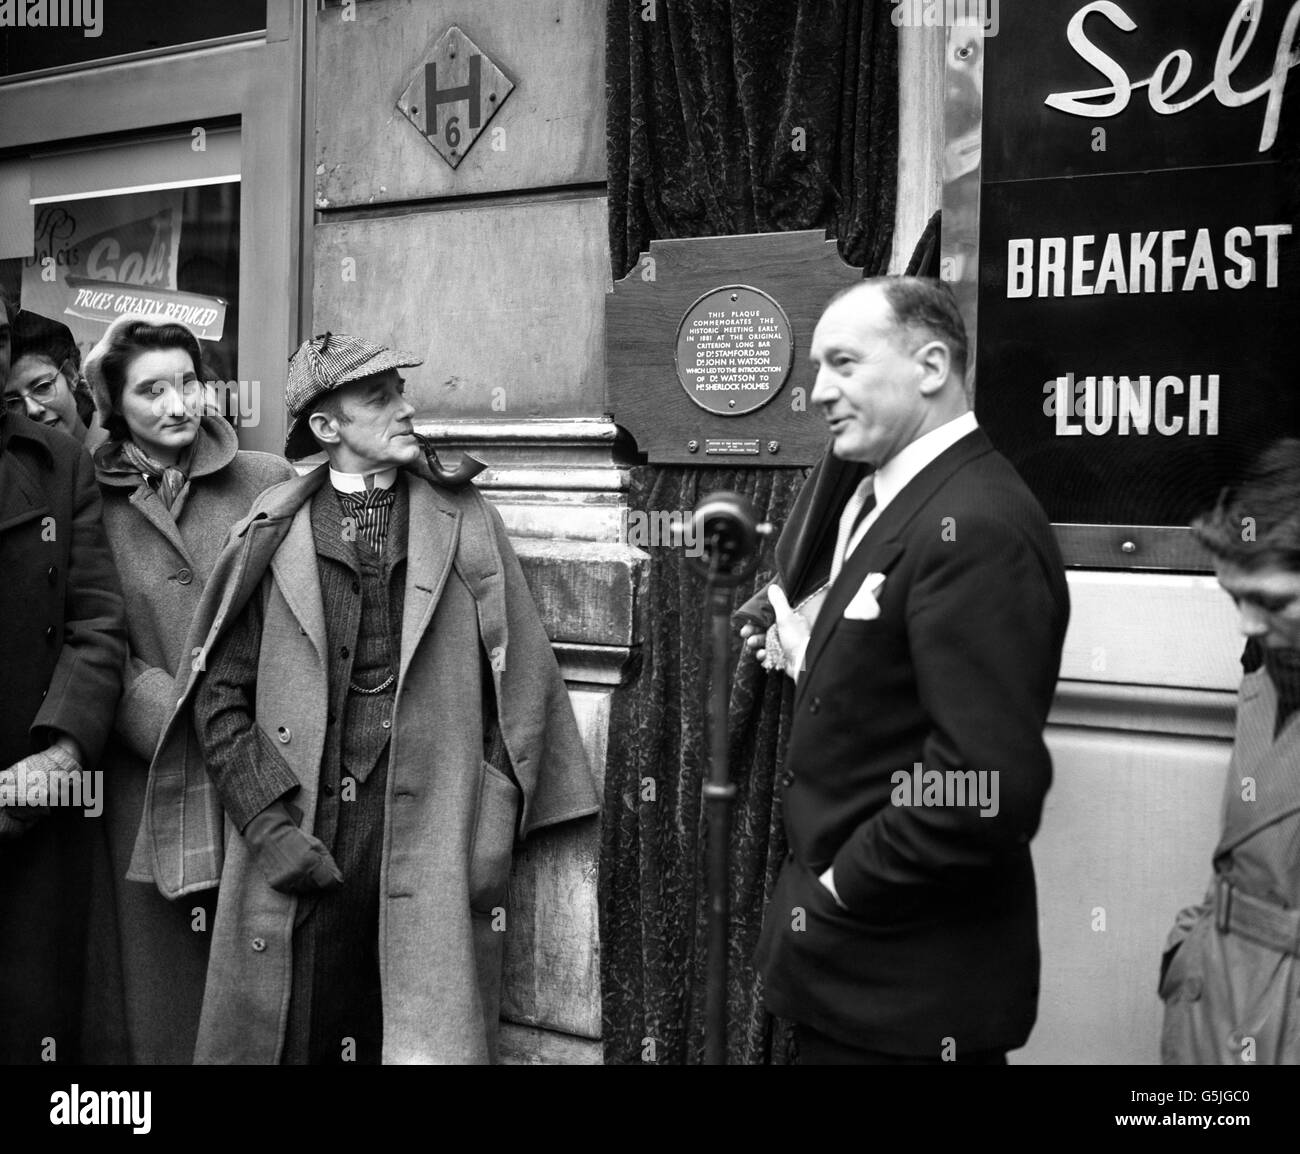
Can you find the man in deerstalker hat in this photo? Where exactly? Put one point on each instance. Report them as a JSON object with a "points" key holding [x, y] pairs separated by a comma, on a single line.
{"points": [[382, 718]]}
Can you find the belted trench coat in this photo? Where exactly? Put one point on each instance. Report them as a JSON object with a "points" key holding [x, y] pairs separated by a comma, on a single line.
{"points": [[451, 820], [1232, 989]]}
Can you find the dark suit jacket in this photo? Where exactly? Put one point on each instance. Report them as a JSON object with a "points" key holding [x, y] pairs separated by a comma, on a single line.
{"points": [[940, 937], [62, 649]]}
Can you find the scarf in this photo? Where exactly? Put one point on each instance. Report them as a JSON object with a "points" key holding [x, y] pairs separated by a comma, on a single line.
{"points": [[168, 480]]}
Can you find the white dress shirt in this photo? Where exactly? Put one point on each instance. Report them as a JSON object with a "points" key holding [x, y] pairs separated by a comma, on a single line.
{"points": [[890, 480], [887, 482]]}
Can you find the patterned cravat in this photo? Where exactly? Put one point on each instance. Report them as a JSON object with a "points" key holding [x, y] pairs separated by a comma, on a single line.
{"points": [[369, 513]]}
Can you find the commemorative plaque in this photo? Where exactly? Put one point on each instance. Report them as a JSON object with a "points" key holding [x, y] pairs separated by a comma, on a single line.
{"points": [[706, 348], [734, 350]]}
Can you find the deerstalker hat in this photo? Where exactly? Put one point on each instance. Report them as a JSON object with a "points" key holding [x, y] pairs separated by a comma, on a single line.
{"points": [[323, 364]]}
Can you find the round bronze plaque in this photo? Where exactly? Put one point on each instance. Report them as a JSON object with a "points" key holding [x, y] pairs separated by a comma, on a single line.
{"points": [[734, 350]]}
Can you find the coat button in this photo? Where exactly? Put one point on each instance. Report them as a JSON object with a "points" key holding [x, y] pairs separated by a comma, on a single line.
{"points": [[283, 734], [386, 723], [787, 780], [49, 633], [344, 651], [328, 790], [52, 574], [258, 944], [1192, 989], [185, 576], [356, 586], [815, 705]]}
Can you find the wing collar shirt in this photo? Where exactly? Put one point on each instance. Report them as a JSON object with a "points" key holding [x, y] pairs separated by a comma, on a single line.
{"points": [[367, 499]]}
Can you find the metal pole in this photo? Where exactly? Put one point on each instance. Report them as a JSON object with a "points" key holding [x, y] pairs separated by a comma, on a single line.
{"points": [[718, 795]]}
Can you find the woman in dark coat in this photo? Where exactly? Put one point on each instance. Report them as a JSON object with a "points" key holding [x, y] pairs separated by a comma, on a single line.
{"points": [[62, 643], [173, 482]]}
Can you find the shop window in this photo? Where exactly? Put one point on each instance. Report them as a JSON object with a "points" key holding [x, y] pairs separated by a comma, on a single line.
{"points": [[79, 31], [101, 247]]}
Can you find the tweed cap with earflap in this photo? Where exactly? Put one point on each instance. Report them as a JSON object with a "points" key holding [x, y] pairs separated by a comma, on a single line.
{"points": [[94, 366], [321, 365]]}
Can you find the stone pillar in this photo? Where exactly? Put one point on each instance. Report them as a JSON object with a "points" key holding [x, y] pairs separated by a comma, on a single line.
{"points": [[495, 271]]}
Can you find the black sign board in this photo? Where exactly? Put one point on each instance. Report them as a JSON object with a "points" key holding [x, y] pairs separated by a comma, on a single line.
{"points": [[1139, 270]]}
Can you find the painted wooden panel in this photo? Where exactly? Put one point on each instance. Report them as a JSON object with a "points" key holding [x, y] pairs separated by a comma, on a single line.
{"points": [[1151, 629], [505, 304], [552, 962], [1127, 833], [551, 127]]}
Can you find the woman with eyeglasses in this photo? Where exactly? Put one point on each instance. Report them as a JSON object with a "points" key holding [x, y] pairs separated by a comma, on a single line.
{"points": [[45, 382], [173, 481]]}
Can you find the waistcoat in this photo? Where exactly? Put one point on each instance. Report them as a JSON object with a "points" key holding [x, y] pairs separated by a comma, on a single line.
{"points": [[362, 596]]}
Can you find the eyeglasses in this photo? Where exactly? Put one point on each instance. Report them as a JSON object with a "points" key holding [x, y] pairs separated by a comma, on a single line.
{"points": [[42, 393]]}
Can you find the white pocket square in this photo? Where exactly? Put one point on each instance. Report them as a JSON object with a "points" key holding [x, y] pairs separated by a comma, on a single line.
{"points": [[864, 606]]}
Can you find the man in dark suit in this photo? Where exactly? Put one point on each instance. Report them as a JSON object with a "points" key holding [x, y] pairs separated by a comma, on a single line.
{"points": [[62, 649], [904, 926]]}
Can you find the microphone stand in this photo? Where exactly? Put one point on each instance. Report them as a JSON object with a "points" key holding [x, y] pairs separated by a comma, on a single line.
{"points": [[719, 792], [727, 524]]}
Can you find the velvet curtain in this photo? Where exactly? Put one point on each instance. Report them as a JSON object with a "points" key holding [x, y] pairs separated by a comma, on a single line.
{"points": [[724, 117]]}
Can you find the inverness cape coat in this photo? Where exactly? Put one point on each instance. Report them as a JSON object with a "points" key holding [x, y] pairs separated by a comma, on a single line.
{"points": [[451, 821], [164, 557], [1232, 989], [62, 645]]}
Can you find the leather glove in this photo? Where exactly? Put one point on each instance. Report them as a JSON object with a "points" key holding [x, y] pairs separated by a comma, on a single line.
{"points": [[38, 777], [293, 862]]}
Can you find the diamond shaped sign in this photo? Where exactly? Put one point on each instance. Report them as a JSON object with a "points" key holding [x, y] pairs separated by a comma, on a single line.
{"points": [[454, 94]]}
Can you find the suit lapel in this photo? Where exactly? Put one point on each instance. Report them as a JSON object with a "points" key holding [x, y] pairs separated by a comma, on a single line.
{"points": [[297, 576], [884, 542], [431, 540], [21, 498]]}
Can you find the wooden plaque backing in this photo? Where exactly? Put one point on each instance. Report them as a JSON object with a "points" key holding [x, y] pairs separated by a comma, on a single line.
{"points": [[799, 270]]}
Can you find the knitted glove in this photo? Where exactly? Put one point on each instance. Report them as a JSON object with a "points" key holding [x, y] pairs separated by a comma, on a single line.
{"points": [[293, 862], [30, 784]]}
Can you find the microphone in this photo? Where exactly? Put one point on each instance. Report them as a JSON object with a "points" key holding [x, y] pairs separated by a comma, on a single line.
{"points": [[726, 527]]}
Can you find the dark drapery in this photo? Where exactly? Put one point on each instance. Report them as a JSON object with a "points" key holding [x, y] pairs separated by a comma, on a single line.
{"points": [[723, 118]]}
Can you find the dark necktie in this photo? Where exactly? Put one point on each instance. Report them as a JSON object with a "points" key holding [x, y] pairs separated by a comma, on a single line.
{"points": [[867, 506]]}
